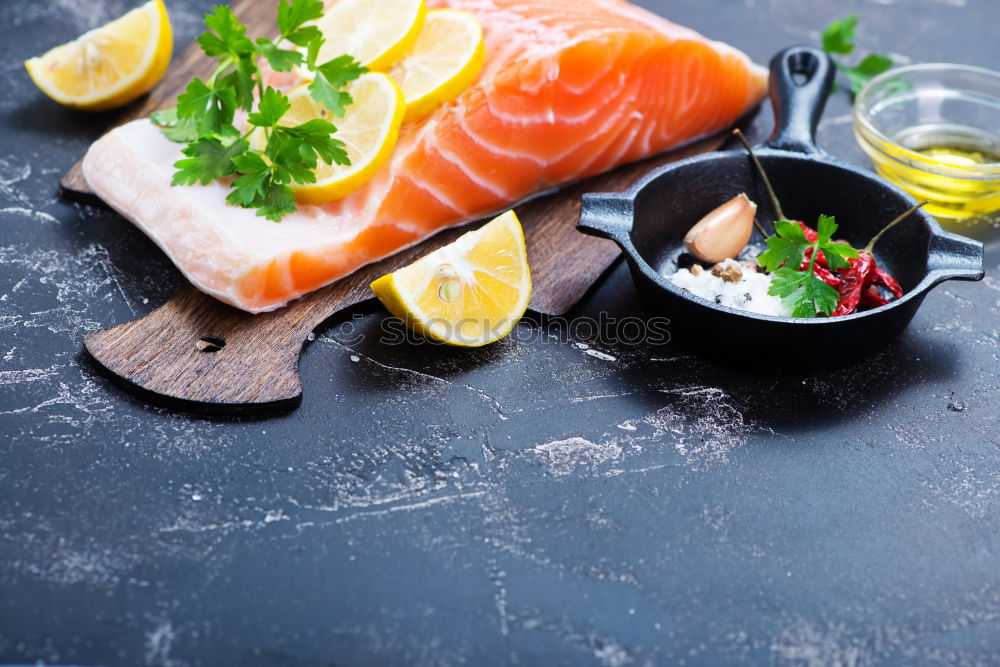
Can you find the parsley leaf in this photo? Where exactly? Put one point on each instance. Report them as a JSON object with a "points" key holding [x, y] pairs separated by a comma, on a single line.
{"points": [[212, 108], [207, 159], [330, 77], [872, 65], [805, 294], [253, 183], [836, 254], [278, 201], [271, 107], [231, 38], [839, 36], [826, 227], [258, 188], [838, 40], [786, 248], [205, 114], [292, 161], [241, 80], [292, 16], [317, 135], [181, 130], [280, 60]]}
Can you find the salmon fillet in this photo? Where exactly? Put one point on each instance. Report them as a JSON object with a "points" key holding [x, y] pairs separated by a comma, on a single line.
{"points": [[570, 88]]}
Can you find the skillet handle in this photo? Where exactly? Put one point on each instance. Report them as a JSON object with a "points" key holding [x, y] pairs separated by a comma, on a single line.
{"points": [[801, 77], [606, 214], [955, 257]]}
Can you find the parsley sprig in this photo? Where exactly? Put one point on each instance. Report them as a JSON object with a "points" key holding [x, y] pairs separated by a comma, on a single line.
{"points": [[838, 40], [205, 113], [805, 294]]}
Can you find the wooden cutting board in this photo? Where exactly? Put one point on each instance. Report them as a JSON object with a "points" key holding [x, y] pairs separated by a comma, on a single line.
{"points": [[197, 353]]}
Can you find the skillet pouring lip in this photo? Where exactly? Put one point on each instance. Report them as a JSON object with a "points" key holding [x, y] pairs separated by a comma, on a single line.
{"points": [[932, 276]]}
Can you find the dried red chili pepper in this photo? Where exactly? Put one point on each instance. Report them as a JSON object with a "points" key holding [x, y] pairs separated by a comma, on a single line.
{"points": [[873, 276], [852, 293], [827, 276], [882, 277], [872, 299], [854, 281]]}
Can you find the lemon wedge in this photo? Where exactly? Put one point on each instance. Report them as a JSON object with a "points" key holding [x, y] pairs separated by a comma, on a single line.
{"points": [[108, 66], [470, 292], [368, 129], [444, 61], [376, 33]]}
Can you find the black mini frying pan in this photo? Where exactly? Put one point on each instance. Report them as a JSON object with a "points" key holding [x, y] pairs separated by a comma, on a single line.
{"points": [[650, 219]]}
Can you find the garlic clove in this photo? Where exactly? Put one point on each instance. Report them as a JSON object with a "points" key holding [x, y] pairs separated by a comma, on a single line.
{"points": [[724, 232]]}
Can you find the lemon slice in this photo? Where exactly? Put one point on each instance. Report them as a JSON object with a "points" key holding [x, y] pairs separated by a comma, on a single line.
{"points": [[374, 32], [470, 292], [368, 129], [444, 61], [111, 65]]}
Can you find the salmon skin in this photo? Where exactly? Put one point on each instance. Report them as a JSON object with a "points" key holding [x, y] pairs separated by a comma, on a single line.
{"points": [[570, 88]]}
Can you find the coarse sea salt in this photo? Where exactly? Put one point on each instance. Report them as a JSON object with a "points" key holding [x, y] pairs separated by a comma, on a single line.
{"points": [[748, 293]]}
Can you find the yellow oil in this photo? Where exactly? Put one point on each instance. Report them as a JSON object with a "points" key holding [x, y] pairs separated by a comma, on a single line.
{"points": [[956, 168]]}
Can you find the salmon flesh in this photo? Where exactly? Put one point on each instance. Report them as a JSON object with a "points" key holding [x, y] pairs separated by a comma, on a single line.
{"points": [[570, 88]]}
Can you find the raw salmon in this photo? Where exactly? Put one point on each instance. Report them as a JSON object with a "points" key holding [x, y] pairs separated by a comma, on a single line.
{"points": [[570, 88]]}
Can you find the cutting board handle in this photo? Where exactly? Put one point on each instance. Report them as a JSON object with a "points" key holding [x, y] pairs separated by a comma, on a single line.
{"points": [[197, 353]]}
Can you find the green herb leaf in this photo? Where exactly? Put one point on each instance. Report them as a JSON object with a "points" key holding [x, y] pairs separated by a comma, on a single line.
{"points": [[271, 107], [786, 248], [206, 110], [839, 36], [207, 159], [230, 38], [312, 52], [280, 60], [871, 66], [826, 226], [292, 160], [292, 16], [180, 130], [258, 188], [317, 135], [249, 189], [838, 40], [330, 77], [804, 293], [241, 80], [165, 117], [277, 202], [874, 64], [306, 36], [195, 99], [785, 282], [211, 108], [837, 254]]}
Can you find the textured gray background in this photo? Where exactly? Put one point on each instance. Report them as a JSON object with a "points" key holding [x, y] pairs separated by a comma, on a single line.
{"points": [[537, 502]]}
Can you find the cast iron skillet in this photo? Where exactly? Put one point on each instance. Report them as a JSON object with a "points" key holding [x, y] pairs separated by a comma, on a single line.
{"points": [[650, 219]]}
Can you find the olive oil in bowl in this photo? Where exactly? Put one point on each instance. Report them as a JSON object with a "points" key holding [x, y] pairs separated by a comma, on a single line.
{"points": [[934, 130]]}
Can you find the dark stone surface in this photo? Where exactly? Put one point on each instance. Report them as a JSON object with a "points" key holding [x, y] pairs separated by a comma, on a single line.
{"points": [[537, 502]]}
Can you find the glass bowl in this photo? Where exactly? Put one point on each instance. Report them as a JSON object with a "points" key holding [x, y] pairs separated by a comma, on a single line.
{"points": [[934, 130]]}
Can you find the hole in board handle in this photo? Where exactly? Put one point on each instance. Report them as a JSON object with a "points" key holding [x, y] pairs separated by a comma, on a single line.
{"points": [[210, 343]]}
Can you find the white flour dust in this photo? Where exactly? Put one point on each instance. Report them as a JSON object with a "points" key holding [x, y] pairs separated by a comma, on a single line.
{"points": [[70, 284], [563, 457]]}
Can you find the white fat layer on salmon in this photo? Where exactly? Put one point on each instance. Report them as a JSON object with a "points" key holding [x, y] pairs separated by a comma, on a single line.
{"points": [[569, 88]]}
